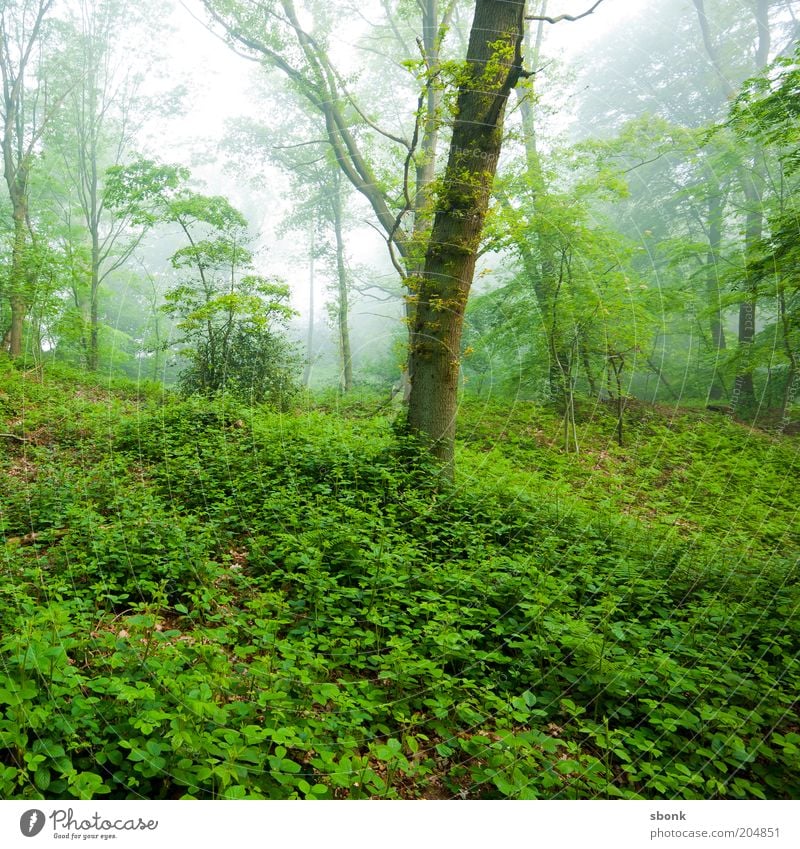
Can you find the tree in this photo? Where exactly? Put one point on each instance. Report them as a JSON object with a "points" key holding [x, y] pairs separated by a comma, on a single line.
{"points": [[493, 68], [272, 33], [25, 112], [97, 126], [439, 285], [335, 202], [692, 190], [766, 113], [227, 315], [319, 197], [751, 178]]}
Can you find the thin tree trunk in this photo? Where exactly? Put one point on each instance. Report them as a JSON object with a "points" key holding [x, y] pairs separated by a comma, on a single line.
{"points": [[588, 370], [341, 275], [93, 334], [659, 373], [17, 278], [617, 364], [744, 392], [494, 59], [94, 227], [716, 390], [790, 389], [310, 334]]}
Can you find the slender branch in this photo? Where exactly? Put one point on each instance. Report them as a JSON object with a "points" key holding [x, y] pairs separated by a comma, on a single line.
{"points": [[299, 144], [390, 242], [409, 205], [556, 20], [12, 436]]}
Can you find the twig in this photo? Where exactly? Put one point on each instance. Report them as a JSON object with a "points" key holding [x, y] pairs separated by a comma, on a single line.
{"points": [[13, 436], [34, 536], [549, 20]]}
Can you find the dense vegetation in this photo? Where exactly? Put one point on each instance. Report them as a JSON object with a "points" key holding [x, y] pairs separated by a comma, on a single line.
{"points": [[201, 599], [519, 519]]}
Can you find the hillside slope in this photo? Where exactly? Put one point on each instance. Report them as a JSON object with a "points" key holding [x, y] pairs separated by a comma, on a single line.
{"points": [[198, 599]]}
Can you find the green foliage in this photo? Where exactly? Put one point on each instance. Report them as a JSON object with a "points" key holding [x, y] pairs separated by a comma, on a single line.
{"points": [[229, 319], [229, 333], [203, 600], [767, 108], [575, 304], [140, 189]]}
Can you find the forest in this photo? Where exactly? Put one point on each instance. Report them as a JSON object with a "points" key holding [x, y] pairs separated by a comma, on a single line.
{"points": [[399, 399]]}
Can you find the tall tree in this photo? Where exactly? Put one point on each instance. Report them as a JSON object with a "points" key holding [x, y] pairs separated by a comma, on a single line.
{"points": [[751, 178], [25, 109], [335, 200], [766, 112], [227, 314], [97, 128], [273, 33], [319, 195], [493, 68]]}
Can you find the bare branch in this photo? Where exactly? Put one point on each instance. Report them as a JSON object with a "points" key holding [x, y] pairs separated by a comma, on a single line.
{"points": [[556, 20], [390, 242], [13, 436], [367, 121], [409, 205], [299, 144]]}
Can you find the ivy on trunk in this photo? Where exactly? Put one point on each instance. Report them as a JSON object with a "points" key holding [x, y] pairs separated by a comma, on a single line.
{"points": [[493, 67]]}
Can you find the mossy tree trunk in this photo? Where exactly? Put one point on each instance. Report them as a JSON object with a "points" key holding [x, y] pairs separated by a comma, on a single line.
{"points": [[494, 65]]}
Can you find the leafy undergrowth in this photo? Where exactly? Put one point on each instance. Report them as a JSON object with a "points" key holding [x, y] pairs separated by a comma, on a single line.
{"points": [[690, 472], [199, 600]]}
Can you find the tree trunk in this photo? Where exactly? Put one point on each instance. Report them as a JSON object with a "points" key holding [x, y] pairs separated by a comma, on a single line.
{"points": [[93, 346], [17, 277], [94, 229], [341, 275], [310, 334], [18, 310], [793, 376], [744, 398], [94, 291], [587, 367], [434, 28], [716, 390], [494, 64], [18, 150]]}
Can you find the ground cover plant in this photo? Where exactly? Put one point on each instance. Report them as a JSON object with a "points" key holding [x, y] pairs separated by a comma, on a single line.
{"points": [[205, 600]]}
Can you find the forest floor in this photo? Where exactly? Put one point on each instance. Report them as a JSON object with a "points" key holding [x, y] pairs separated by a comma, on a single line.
{"points": [[199, 599]]}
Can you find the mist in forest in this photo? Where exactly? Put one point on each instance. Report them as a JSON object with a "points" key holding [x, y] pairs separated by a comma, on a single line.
{"points": [[399, 399], [629, 246]]}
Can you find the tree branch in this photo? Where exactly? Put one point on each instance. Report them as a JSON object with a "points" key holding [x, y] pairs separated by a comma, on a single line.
{"points": [[556, 20], [12, 436]]}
